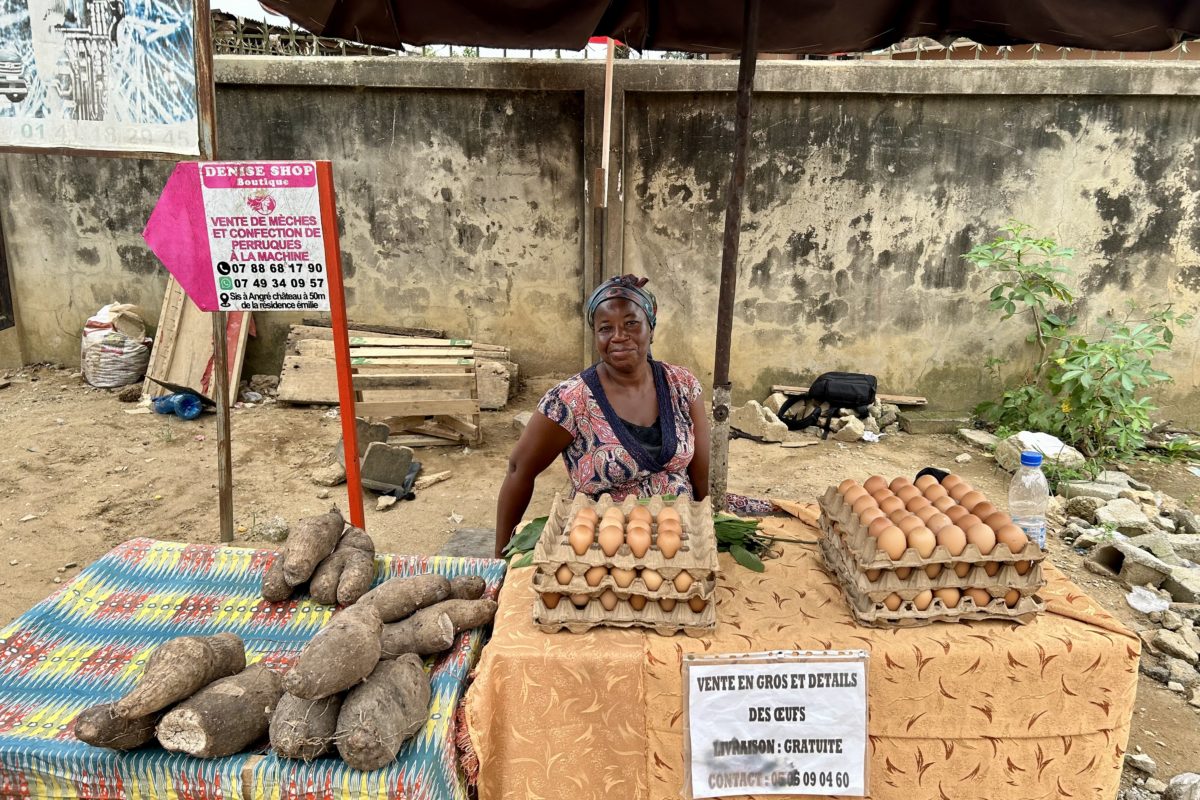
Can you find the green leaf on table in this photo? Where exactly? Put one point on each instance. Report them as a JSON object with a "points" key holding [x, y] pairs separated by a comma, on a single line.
{"points": [[523, 561], [527, 539], [746, 558]]}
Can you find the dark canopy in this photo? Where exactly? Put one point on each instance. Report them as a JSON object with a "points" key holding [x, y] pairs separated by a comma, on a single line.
{"points": [[788, 26]]}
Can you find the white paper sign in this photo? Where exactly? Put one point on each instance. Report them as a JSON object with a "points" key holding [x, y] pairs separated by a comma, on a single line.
{"points": [[770, 723], [265, 235]]}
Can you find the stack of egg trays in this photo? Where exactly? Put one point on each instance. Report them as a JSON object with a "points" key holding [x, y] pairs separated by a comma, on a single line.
{"points": [[697, 555], [850, 551]]}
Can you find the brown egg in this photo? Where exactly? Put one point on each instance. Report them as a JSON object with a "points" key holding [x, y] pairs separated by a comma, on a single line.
{"points": [[953, 538], [922, 540], [652, 579], [896, 516], [580, 600], [641, 513], [937, 521], [697, 603], [594, 575], [873, 574], [893, 542], [614, 513], [622, 577], [907, 493], [949, 596], [846, 485], [874, 483], [925, 481], [910, 522], [897, 484], [903, 573], [972, 499], [683, 581], [958, 491], [927, 513], [979, 596], [611, 539], [878, 526], [1013, 537], [922, 601], [882, 494], [667, 604], [668, 514], [1022, 566], [933, 570], [917, 503], [892, 601], [1011, 598], [581, 539], [870, 515], [637, 602], [967, 521], [982, 537], [950, 481], [859, 506], [936, 492], [984, 510], [586, 515], [943, 503], [955, 513], [637, 525], [638, 540], [668, 542], [991, 568], [891, 505], [550, 599], [962, 568], [608, 599], [564, 575], [997, 520]]}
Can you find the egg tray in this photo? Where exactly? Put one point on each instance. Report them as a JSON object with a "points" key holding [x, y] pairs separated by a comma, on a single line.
{"points": [[545, 582], [872, 613], [869, 556], [908, 588], [698, 553], [565, 616]]}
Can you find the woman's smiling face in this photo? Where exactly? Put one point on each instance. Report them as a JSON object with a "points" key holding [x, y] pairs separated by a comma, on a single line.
{"points": [[623, 335]]}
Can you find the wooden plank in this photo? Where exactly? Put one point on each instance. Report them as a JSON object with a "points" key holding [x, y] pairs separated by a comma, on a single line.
{"points": [[405, 341], [313, 380], [401, 424], [468, 364], [398, 408], [452, 380], [417, 440], [298, 333], [459, 425], [356, 327], [412, 352], [895, 399], [431, 428], [169, 319]]}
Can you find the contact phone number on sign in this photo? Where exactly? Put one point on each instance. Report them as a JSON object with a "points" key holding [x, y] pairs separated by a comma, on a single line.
{"points": [[272, 286]]}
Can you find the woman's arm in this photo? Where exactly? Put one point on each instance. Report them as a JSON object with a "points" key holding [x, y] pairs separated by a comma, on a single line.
{"points": [[698, 469], [539, 445]]}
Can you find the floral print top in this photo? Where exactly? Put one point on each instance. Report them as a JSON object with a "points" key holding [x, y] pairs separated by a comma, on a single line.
{"points": [[605, 457]]}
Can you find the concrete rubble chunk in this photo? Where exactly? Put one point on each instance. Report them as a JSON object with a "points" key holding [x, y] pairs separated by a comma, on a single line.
{"points": [[1171, 620], [852, 431], [330, 475], [1173, 644], [889, 414], [1084, 507], [1155, 672], [1114, 477], [928, 422], [775, 402], [1131, 565], [1190, 637], [1053, 450], [367, 433], [521, 421], [962, 458], [755, 420], [1145, 498], [1187, 611], [1156, 786], [1186, 545], [871, 424], [1100, 491], [385, 466], [1183, 584], [981, 439], [1160, 545], [1126, 516], [1184, 786], [1090, 538], [1166, 523], [1182, 672], [1141, 762], [495, 383], [1185, 521], [274, 529]]}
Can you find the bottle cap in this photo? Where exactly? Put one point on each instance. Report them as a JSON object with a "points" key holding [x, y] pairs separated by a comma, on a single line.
{"points": [[1031, 459]]}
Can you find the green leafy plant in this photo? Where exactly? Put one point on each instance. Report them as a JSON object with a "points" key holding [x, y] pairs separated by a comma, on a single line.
{"points": [[745, 541], [519, 550]]}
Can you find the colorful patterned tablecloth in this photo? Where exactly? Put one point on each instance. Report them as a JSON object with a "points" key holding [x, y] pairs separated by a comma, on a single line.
{"points": [[957, 711], [87, 643]]}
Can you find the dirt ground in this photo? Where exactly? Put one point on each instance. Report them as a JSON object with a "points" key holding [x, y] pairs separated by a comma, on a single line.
{"points": [[79, 474]]}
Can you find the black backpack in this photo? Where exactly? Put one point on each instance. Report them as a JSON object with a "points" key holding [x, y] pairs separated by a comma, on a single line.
{"points": [[852, 390]]}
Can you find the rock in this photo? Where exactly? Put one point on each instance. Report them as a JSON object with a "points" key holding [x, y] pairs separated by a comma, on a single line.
{"points": [[932, 421], [131, 393], [1180, 671], [1008, 452], [274, 529], [1186, 545], [1171, 620], [1160, 545], [757, 421], [495, 382], [1102, 491], [1171, 643], [1183, 584], [330, 475], [367, 433], [323, 494], [1092, 537], [871, 425], [1187, 611], [1185, 521], [1190, 637], [1141, 762], [1133, 566], [1184, 786], [889, 415], [385, 466], [775, 402], [265, 384], [837, 423], [1155, 672], [1155, 785], [1174, 686], [1166, 523], [1084, 507], [1125, 516], [521, 421], [425, 481], [385, 501], [1114, 477], [851, 432], [875, 409], [962, 458], [1144, 498], [981, 439]]}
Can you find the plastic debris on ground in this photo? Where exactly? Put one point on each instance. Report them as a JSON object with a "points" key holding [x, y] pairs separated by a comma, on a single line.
{"points": [[1143, 600]]}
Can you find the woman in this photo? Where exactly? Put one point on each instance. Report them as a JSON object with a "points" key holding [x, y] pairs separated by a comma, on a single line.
{"points": [[628, 425]]}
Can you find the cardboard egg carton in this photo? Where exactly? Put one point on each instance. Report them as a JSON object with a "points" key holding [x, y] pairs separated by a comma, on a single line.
{"points": [[566, 616], [544, 582], [869, 556], [873, 613]]}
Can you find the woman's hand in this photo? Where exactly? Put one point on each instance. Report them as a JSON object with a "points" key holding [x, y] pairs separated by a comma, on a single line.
{"points": [[698, 469], [539, 445]]}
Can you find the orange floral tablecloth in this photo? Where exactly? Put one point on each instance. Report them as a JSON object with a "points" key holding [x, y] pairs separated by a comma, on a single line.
{"points": [[967, 710]]}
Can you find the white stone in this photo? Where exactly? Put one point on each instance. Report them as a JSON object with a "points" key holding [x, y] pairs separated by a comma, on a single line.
{"points": [[1126, 516], [1184, 786], [962, 458], [1171, 643], [775, 402], [852, 431], [982, 439], [1141, 762], [1053, 450], [755, 420]]}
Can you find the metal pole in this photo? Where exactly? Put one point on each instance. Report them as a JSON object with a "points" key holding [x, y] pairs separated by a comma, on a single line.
{"points": [[224, 434], [719, 469]]}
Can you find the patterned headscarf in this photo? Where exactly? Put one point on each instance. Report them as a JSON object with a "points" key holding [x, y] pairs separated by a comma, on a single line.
{"points": [[626, 287]]}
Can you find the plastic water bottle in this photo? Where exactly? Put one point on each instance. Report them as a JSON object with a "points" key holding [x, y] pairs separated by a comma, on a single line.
{"points": [[1028, 496], [184, 406]]}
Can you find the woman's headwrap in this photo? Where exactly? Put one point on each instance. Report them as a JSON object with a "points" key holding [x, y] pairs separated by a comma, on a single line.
{"points": [[626, 287]]}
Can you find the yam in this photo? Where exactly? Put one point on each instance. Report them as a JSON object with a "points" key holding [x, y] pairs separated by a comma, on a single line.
{"points": [[423, 634], [100, 726], [467, 587], [304, 728], [400, 597], [357, 576], [347, 573], [310, 543], [324, 583], [338, 657], [377, 717], [224, 717], [275, 588], [178, 669], [465, 614]]}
